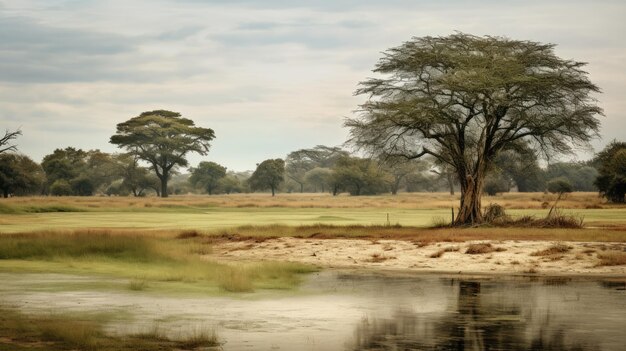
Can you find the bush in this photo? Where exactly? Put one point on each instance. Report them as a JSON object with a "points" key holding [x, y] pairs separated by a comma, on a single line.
{"points": [[494, 212], [61, 188], [495, 185]]}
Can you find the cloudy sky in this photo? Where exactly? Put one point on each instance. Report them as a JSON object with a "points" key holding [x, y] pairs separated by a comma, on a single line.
{"points": [[269, 76]]}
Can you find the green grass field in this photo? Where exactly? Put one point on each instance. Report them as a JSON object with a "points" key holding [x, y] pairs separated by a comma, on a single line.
{"points": [[224, 217]]}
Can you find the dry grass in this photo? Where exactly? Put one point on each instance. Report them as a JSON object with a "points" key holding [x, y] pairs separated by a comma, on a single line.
{"points": [[440, 253], [482, 248], [553, 250], [612, 258], [307, 200], [420, 236], [379, 257]]}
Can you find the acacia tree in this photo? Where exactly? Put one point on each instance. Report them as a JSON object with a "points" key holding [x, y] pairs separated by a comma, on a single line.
{"points": [[462, 99], [268, 175], [163, 139]]}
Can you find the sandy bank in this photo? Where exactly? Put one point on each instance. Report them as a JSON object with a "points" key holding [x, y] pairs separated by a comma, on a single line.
{"points": [[507, 257]]}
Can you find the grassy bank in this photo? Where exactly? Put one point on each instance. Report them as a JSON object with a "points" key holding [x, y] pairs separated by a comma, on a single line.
{"points": [[148, 261], [21, 332], [321, 231]]}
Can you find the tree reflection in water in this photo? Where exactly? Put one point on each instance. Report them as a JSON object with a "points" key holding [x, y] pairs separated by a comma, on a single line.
{"points": [[474, 325]]}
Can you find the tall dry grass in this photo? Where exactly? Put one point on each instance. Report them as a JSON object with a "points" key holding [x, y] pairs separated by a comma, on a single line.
{"points": [[308, 200], [418, 235]]}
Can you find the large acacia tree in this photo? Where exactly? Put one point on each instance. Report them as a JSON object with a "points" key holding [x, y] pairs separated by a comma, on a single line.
{"points": [[163, 139], [462, 99]]}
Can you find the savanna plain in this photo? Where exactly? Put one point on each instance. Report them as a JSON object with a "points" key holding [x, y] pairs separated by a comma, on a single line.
{"points": [[210, 272]]}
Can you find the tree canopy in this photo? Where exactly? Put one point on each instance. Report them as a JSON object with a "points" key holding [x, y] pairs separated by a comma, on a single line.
{"points": [[163, 139], [19, 175], [611, 180], [463, 99], [268, 175], [207, 175]]}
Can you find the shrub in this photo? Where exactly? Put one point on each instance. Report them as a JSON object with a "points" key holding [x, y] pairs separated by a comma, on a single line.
{"points": [[61, 187], [494, 212], [482, 248]]}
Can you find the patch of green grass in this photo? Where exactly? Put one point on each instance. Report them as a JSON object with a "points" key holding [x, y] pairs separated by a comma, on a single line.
{"points": [[72, 332], [225, 217], [164, 259]]}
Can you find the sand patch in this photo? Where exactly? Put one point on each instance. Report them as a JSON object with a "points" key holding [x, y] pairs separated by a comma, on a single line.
{"points": [[509, 257]]}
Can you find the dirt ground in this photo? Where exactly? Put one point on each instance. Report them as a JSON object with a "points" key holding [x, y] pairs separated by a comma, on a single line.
{"points": [[508, 257]]}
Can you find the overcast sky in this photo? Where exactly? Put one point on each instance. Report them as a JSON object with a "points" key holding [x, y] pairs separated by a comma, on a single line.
{"points": [[268, 76]]}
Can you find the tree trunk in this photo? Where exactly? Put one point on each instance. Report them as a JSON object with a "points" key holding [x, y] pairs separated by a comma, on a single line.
{"points": [[164, 178], [272, 191], [471, 192], [5, 193], [301, 187]]}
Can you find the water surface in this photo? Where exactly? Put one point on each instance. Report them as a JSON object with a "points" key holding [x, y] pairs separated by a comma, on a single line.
{"points": [[337, 310]]}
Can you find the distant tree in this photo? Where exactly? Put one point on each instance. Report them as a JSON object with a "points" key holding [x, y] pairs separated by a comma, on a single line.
{"points": [[360, 176], [425, 182], [229, 184], [560, 185], [61, 187], [135, 179], [462, 99], [522, 167], [579, 174], [320, 178], [398, 171], [611, 180], [297, 164], [496, 183], [269, 174], [5, 141], [101, 169], [163, 139], [64, 164], [207, 175], [85, 171], [19, 175]]}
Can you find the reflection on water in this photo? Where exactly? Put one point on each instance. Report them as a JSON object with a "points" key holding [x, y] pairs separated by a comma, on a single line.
{"points": [[507, 316], [348, 311]]}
